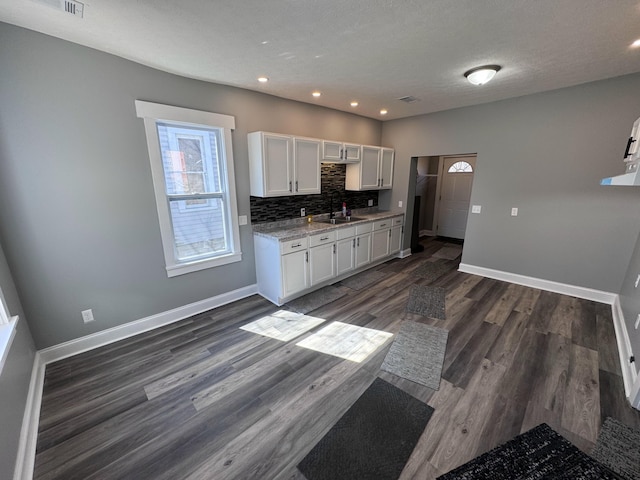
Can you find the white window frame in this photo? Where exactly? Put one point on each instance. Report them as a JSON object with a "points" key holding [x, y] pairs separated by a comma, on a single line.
{"points": [[152, 113]]}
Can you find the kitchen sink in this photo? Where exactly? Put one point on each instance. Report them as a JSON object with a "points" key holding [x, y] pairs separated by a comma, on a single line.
{"points": [[340, 220]]}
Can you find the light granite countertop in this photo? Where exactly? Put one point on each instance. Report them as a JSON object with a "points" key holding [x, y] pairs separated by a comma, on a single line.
{"points": [[298, 228]]}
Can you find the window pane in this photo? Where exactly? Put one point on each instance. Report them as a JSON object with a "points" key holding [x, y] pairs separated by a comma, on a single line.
{"points": [[460, 167], [191, 158], [199, 231]]}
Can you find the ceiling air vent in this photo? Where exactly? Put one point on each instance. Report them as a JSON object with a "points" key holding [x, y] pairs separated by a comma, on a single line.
{"points": [[68, 6], [409, 99]]}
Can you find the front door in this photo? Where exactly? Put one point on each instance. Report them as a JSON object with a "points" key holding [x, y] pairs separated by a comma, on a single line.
{"points": [[455, 195]]}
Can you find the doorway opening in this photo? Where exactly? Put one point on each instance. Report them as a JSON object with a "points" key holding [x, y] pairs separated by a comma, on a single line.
{"points": [[443, 194]]}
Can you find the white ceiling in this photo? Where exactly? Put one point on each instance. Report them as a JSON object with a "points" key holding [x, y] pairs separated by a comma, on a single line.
{"points": [[372, 51]]}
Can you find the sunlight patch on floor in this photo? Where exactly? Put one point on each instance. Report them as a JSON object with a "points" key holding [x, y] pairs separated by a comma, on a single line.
{"points": [[346, 341], [283, 325]]}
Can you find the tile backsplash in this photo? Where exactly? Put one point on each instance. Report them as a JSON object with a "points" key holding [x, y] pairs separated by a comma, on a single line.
{"points": [[332, 180]]}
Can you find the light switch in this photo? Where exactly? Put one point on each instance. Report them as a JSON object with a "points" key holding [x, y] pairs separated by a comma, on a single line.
{"points": [[242, 219], [514, 212], [476, 208], [399, 203]]}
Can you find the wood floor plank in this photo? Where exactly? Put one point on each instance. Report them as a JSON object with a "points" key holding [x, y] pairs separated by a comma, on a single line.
{"points": [[505, 305]]}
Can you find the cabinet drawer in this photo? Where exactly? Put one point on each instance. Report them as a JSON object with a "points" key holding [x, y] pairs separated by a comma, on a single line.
{"points": [[294, 245], [347, 232], [382, 224], [395, 221], [322, 238], [363, 228]]}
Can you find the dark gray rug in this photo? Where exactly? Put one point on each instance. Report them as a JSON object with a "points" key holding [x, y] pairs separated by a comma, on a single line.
{"points": [[431, 270], [417, 354], [540, 453], [373, 439], [316, 299], [364, 279], [427, 301], [618, 447]]}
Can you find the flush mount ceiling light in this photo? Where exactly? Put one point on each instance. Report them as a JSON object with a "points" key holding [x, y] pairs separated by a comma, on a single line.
{"points": [[481, 75], [383, 111], [263, 79], [636, 44], [354, 104], [316, 94]]}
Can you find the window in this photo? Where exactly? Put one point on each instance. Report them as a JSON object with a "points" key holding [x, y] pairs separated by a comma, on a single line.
{"points": [[460, 167], [192, 167], [7, 330]]}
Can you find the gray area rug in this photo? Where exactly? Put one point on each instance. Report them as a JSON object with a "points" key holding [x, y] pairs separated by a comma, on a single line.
{"points": [[431, 270], [316, 299], [449, 252], [540, 453], [364, 279], [427, 301], [618, 447], [417, 354], [373, 440]]}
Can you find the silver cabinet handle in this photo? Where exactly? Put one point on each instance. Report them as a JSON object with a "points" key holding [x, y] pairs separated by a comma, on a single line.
{"points": [[324, 238], [354, 243], [383, 225], [290, 187], [334, 248], [296, 185], [296, 245], [358, 241], [341, 154], [306, 256], [389, 233]]}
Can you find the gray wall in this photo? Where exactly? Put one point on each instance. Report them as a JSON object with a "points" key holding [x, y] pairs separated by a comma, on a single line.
{"points": [[630, 302], [544, 154], [82, 231], [14, 381]]}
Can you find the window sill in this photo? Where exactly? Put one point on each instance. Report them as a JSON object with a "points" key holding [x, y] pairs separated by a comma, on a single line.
{"points": [[181, 269], [7, 332]]}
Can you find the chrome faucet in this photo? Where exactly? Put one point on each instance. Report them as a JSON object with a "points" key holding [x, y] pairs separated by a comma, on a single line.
{"points": [[332, 214]]}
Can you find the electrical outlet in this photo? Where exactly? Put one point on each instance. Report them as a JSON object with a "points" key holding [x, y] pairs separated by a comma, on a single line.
{"points": [[303, 212], [370, 202], [637, 321], [242, 220], [399, 203], [87, 316], [514, 212], [476, 208]]}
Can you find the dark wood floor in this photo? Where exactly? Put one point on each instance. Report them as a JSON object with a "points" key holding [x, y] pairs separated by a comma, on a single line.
{"points": [[203, 399]]}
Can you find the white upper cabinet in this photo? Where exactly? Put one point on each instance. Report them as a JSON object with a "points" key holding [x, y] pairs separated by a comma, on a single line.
{"points": [[338, 152], [386, 168], [283, 165], [374, 172]]}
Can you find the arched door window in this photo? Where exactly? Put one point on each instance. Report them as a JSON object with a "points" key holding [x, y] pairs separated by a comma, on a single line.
{"points": [[460, 167]]}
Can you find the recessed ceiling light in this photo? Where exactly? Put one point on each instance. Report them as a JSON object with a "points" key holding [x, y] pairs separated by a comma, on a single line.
{"points": [[264, 42], [354, 104], [636, 44], [316, 94], [383, 111], [481, 75], [263, 79]]}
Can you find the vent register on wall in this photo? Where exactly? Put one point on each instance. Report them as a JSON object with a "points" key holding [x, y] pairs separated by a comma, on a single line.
{"points": [[631, 160], [290, 166]]}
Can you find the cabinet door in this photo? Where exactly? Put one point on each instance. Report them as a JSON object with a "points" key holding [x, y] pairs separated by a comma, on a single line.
{"points": [[369, 174], [386, 168], [322, 263], [380, 244], [331, 151], [351, 152], [363, 249], [306, 158], [395, 240], [278, 164], [295, 272], [345, 255]]}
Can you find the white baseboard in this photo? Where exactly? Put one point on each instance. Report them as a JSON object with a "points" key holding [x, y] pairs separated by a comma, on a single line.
{"points": [[629, 375], [29, 434], [105, 337], [404, 253], [548, 285], [25, 461]]}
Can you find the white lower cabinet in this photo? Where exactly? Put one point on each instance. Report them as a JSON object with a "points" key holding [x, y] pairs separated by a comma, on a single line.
{"points": [[286, 269], [295, 272], [322, 257]]}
